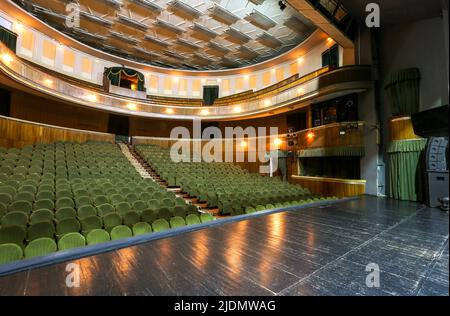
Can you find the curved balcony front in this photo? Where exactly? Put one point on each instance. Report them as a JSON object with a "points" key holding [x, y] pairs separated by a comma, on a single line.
{"points": [[318, 85]]}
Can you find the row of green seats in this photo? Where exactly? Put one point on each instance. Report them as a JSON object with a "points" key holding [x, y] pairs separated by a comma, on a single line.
{"points": [[11, 251], [222, 185]]}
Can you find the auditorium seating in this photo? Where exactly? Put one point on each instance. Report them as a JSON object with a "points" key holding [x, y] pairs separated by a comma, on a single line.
{"points": [[224, 185], [67, 195]]}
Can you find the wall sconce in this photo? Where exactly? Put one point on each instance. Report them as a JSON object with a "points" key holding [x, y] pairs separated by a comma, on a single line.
{"points": [[277, 142], [48, 82], [7, 58], [132, 106]]}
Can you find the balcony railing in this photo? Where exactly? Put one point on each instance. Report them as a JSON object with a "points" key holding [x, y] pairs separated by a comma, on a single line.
{"points": [[346, 78]]}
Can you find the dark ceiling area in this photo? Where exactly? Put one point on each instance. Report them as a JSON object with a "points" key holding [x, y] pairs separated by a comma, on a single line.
{"points": [[397, 11]]}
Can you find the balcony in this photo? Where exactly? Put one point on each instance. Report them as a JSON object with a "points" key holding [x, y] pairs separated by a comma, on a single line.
{"points": [[319, 84]]}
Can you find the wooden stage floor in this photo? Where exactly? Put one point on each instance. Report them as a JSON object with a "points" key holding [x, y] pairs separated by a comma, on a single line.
{"points": [[311, 251]]}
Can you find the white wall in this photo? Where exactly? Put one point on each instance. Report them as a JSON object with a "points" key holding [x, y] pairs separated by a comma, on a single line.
{"points": [[418, 44]]}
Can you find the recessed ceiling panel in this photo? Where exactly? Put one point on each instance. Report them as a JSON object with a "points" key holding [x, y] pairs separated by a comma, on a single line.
{"points": [[182, 34]]}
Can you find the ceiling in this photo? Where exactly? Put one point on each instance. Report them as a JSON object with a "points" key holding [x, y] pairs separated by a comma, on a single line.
{"points": [[398, 11], [181, 34]]}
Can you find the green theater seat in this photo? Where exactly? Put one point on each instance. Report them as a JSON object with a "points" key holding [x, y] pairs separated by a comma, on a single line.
{"points": [[141, 228], [160, 225], [120, 232], [97, 236], [40, 247], [10, 253], [71, 241]]}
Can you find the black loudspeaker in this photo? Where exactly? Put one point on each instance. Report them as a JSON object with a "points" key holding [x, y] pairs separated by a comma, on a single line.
{"points": [[436, 165], [436, 155], [432, 122]]}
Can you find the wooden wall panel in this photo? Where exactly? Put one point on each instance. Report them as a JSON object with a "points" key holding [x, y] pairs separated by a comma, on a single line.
{"points": [[155, 127], [331, 187], [271, 121], [18, 133], [401, 128], [36, 109], [329, 136]]}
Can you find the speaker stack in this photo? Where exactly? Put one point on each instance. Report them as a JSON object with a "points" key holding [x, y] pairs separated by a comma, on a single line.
{"points": [[436, 164], [291, 142]]}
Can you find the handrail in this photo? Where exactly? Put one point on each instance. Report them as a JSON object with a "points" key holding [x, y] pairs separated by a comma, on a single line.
{"points": [[41, 81]]}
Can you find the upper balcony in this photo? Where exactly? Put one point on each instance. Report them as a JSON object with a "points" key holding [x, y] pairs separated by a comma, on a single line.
{"points": [[321, 84]]}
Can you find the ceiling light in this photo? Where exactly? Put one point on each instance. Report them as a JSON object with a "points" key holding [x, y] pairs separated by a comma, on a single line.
{"points": [[222, 14], [204, 112], [132, 23], [300, 91], [148, 4], [300, 60], [168, 26], [237, 109], [185, 8], [244, 144], [197, 27], [269, 40], [296, 25], [238, 35], [219, 47], [260, 20], [267, 102], [169, 111]]}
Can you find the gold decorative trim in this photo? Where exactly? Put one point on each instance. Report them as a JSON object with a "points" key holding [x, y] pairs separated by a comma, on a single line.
{"points": [[334, 180]]}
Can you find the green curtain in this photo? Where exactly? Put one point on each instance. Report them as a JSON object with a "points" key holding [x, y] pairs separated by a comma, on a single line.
{"points": [[114, 74], [210, 94], [8, 38], [403, 91], [406, 169], [336, 151]]}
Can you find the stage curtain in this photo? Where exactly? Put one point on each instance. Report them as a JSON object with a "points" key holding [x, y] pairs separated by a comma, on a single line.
{"points": [[403, 91], [337, 151], [406, 170], [114, 74], [8, 38]]}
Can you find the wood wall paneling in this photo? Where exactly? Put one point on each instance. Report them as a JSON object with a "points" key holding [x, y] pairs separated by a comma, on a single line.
{"points": [[331, 187], [401, 128], [36, 109], [18, 133], [330, 136]]}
